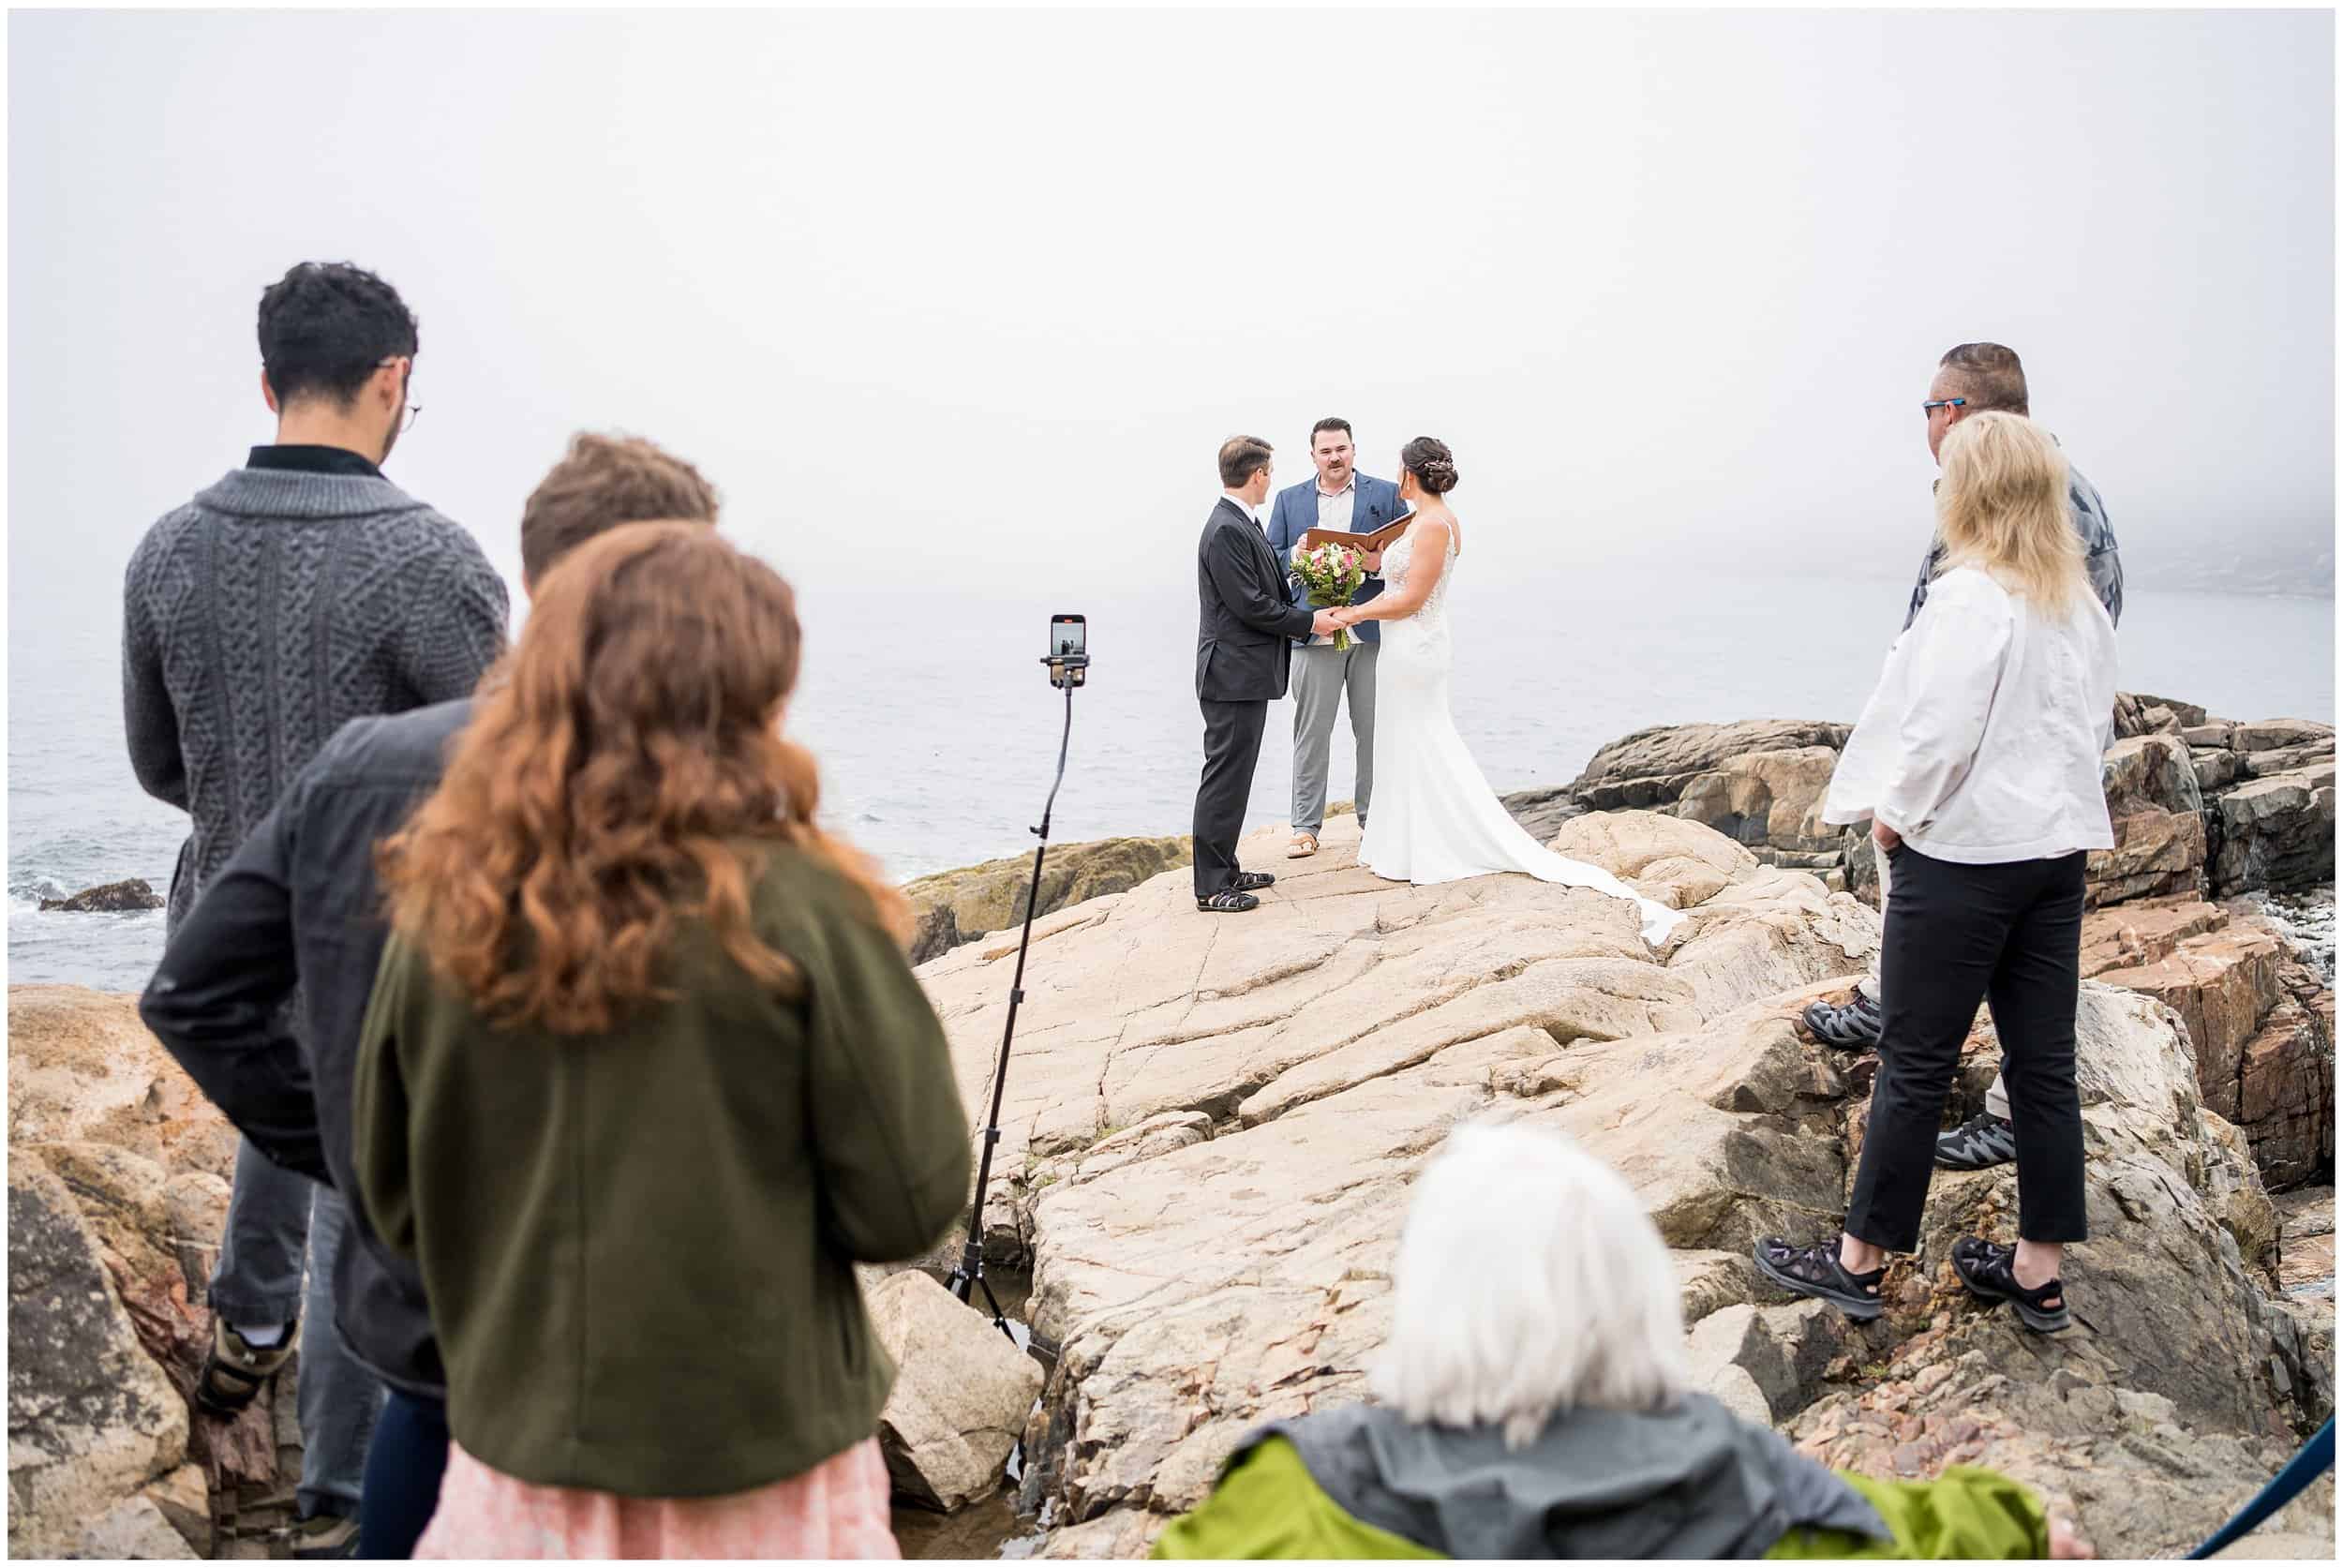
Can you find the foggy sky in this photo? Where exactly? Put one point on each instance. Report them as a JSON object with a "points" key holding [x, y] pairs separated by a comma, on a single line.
{"points": [[993, 287]]}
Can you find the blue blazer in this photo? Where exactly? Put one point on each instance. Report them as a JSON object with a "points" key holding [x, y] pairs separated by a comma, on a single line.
{"points": [[1295, 513]]}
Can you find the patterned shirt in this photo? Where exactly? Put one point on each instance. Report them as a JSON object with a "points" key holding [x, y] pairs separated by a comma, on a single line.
{"points": [[2100, 556]]}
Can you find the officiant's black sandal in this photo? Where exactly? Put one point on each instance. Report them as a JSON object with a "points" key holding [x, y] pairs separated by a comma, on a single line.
{"points": [[1253, 881], [1990, 1270], [1815, 1271], [1228, 901]]}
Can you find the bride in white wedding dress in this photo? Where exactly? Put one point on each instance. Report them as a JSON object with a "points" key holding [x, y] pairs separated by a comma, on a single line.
{"points": [[1436, 818]]}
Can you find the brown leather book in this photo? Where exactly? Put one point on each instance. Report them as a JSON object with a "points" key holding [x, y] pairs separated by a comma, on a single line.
{"points": [[1382, 539]]}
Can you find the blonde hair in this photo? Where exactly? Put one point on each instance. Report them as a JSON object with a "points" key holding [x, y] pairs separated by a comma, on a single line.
{"points": [[1529, 1281], [2003, 508]]}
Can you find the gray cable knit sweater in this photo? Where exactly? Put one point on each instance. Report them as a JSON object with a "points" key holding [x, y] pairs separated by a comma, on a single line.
{"points": [[268, 612]]}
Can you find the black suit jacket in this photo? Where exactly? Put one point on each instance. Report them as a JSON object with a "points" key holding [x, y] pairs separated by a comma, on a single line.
{"points": [[1245, 612], [299, 906]]}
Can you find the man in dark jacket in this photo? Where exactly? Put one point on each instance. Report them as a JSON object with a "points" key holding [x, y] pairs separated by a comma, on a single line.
{"points": [[1245, 619], [301, 591], [298, 907], [1971, 379]]}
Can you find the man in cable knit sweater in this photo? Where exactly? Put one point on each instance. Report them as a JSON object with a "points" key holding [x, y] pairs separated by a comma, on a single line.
{"points": [[301, 591]]}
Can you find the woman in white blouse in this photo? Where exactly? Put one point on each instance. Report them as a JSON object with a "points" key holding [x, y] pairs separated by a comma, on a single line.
{"points": [[1977, 762]]}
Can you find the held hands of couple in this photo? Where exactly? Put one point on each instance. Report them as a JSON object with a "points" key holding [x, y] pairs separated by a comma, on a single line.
{"points": [[1325, 623]]}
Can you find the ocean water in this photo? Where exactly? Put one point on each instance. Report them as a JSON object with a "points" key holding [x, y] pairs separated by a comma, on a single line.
{"points": [[938, 731]]}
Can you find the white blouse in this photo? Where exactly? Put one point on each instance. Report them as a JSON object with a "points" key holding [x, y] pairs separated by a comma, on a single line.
{"points": [[1982, 743]]}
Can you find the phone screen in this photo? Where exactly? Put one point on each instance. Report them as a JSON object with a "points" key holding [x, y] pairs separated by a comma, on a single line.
{"points": [[1068, 634]]}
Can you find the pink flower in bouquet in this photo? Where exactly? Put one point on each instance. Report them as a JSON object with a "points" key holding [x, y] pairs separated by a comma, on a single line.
{"points": [[1332, 573]]}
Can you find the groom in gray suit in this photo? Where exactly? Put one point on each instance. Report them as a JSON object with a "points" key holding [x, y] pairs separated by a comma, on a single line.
{"points": [[1339, 498]]}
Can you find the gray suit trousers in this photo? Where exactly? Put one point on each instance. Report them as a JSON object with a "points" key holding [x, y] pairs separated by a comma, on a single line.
{"points": [[1321, 677]]}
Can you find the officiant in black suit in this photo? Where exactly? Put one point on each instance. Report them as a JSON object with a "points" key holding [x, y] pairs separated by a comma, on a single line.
{"points": [[1245, 615]]}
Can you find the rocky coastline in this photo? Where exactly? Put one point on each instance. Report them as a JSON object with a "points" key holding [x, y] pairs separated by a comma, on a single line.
{"points": [[1210, 1126]]}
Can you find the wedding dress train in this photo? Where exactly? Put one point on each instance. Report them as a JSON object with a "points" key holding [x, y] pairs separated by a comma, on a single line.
{"points": [[1436, 819]]}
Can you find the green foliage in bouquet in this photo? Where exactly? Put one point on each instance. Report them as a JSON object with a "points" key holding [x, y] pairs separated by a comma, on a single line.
{"points": [[1332, 573]]}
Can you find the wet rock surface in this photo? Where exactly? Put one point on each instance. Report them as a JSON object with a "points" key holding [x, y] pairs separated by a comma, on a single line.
{"points": [[114, 898]]}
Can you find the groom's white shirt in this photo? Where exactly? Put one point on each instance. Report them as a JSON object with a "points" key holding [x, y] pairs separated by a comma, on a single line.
{"points": [[1242, 505]]}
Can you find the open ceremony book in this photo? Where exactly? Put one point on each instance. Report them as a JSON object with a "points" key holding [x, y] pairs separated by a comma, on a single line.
{"points": [[1382, 539]]}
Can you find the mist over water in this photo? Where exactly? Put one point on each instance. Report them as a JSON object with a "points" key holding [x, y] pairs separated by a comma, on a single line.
{"points": [[937, 731]]}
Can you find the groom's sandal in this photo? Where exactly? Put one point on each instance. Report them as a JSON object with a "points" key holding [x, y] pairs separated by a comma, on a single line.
{"points": [[1253, 881], [1228, 901], [1990, 1271], [1815, 1271], [1305, 844], [234, 1372]]}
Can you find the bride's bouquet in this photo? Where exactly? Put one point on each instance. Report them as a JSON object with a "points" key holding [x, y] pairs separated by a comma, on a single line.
{"points": [[1332, 573]]}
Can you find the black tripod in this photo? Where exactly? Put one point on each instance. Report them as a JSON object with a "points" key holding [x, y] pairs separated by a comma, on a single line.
{"points": [[1067, 672]]}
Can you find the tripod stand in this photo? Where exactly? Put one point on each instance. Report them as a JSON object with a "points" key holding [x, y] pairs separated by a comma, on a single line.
{"points": [[1065, 672]]}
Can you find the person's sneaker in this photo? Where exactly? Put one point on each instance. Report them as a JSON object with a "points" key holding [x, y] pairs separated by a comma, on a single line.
{"points": [[1980, 1142], [234, 1371], [1852, 1027], [324, 1537]]}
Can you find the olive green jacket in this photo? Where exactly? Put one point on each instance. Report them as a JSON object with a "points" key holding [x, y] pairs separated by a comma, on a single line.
{"points": [[638, 1246]]}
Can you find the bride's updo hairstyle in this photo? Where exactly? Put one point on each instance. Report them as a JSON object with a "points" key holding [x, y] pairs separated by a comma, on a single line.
{"points": [[1431, 462]]}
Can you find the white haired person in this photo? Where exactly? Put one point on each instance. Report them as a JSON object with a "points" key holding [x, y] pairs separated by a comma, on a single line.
{"points": [[1535, 1404], [1978, 761]]}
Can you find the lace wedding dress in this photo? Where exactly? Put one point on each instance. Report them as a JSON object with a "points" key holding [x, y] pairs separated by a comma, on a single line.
{"points": [[1436, 819]]}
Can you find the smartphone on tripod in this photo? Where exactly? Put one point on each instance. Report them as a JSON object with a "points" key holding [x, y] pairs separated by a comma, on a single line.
{"points": [[1070, 650]]}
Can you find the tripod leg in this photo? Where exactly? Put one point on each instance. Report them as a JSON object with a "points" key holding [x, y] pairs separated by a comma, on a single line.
{"points": [[969, 1277], [1000, 1318]]}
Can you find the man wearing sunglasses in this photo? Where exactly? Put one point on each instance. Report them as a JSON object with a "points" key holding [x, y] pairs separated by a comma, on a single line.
{"points": [[1971, 379], [301, 591]]}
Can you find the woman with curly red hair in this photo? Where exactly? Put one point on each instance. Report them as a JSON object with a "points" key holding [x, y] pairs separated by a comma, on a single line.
{"points": [[645, 1073]]}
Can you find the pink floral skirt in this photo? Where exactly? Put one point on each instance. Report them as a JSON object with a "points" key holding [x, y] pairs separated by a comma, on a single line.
{"points": [[838, 1509]]}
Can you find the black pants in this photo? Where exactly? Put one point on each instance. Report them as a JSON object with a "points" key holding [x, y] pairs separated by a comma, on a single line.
{"points": [[2010, 936], [1232, 733], [403, 1471]]}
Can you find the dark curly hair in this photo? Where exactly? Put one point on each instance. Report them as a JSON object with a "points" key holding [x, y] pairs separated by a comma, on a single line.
{"points": [[1431, 462], [326, 326]]}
